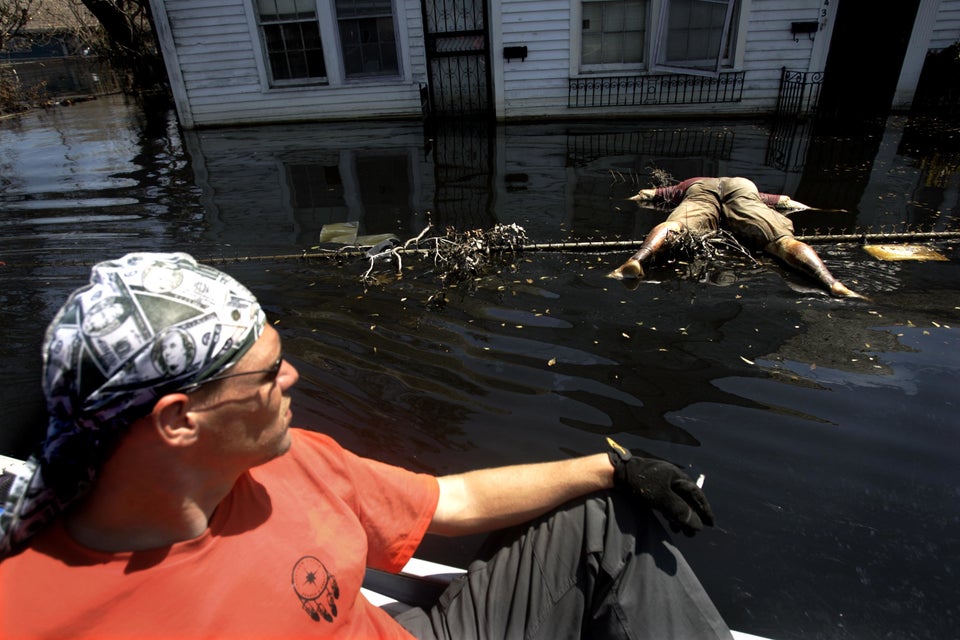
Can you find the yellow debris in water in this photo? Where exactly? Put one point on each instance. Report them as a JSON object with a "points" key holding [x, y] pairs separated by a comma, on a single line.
{"points": [[339, 232], [903, 252]]}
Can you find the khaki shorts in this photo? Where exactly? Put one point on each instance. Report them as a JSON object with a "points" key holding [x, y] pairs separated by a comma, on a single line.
{"points": [[733, 204]]}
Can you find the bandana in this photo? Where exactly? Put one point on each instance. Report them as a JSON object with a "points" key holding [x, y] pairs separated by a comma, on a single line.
{"points": [[146, 325]]}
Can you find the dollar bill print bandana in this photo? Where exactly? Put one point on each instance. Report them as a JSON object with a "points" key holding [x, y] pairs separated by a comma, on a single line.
{"points": [[146, 325]]}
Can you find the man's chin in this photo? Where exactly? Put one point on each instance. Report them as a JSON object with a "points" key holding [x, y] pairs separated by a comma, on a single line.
{"points": [[281, 445], [284, 444]]}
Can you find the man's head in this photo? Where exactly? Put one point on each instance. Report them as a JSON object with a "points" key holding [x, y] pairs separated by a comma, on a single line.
{"points": [[147, 325]]}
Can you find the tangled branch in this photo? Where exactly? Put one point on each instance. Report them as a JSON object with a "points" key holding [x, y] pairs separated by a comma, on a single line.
{"points": [[709, 245], [387, 251], [456, 256], [701, 255]]}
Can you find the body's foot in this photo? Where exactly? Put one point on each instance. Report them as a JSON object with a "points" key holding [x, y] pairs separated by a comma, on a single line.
{"points": [[840, 290], [629, 270]]}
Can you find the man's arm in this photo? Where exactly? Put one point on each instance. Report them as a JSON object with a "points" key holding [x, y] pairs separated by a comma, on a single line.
{"points": [[673, 194], [489, 499]]}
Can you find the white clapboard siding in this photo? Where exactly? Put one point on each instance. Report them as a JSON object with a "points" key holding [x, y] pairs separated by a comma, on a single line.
{"points": [[218, 61], [946, 29], [770, 47], [218, 75], [538, 85]]}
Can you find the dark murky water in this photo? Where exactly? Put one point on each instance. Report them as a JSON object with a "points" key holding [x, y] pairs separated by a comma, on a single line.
{"points": [[827, 429]]}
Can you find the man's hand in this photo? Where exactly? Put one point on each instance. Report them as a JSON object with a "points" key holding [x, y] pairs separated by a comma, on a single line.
{"points": [[661, 486], [786, 202], [645, 194]]}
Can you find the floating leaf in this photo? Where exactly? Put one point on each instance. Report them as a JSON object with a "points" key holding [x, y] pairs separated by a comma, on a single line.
{"points": [[551, 362], [747, 361]]}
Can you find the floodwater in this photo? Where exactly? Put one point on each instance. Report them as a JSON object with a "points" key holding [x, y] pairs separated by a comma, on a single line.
{"points": [[826, 429]]}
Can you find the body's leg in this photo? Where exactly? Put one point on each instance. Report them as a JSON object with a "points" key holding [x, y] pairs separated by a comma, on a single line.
{"points": [[802, 257], [749, 218], [699, 211], [597, 568], [654, 241]]}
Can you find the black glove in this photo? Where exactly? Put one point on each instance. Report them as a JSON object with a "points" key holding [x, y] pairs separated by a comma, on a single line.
{"points": [[661, 486]]}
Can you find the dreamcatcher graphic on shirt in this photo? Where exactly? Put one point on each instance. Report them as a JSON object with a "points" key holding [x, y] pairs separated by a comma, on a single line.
{"points": [[316, 587]]}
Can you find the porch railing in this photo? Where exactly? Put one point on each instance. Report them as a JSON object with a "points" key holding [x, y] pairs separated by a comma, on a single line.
{"points": [[627, 91], [708, 142], [799, 92]]}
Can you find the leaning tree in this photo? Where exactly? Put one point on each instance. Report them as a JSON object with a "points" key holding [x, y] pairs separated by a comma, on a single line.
{"points": [[128, 40]]}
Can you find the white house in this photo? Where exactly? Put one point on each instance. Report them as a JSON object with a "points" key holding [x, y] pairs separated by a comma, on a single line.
{"points": [[256, 61]]}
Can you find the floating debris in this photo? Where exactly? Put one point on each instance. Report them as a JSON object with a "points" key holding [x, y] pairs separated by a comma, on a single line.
{"points": [[709, 245], [462, 256], [894, 252]]}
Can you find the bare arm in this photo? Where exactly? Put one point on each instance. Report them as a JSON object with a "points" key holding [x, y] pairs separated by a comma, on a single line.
{"points": [[786, 202], [488, 499]]}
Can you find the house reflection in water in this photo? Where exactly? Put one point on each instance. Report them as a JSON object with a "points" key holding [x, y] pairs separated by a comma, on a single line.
{"points": [[275, 187]]}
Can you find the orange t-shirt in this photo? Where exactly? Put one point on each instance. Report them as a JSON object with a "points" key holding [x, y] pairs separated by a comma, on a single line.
{"points": [[284, 557]]}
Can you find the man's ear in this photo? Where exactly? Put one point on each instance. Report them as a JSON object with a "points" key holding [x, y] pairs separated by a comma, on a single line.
{"points": [[173, 421]]}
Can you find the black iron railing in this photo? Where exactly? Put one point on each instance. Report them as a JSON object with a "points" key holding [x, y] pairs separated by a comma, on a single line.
{"points": [[799, 92], [677, 142], [626, 91]]}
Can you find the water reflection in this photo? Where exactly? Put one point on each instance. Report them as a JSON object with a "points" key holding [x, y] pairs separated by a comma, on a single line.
{"points": [[826, 428]]}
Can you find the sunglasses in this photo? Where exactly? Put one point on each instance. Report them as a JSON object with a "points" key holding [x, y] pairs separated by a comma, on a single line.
{"points": [[270, 375]]}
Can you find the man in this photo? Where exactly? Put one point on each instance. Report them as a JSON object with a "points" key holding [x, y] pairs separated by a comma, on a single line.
{"points": [[706, 204], [181, 504]]}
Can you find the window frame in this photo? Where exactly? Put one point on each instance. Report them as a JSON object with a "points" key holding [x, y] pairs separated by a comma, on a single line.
{"points": [[692, 67], [612, 66], [730, 59], [326, 16], [398, 45], [264, 51]]}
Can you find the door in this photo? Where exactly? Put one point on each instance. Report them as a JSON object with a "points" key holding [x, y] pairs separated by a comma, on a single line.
{"points": [[458, 57]]}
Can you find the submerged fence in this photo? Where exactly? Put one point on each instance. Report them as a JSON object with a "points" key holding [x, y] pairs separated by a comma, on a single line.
{"points": [[62, 77]]}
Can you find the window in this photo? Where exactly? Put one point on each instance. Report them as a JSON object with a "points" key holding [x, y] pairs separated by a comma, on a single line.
{"points": [[291, 35], [687, 36], [693, 34], [367, 37], [614, 32], [377, 191], [315, 186]]}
